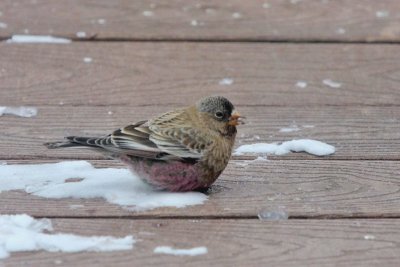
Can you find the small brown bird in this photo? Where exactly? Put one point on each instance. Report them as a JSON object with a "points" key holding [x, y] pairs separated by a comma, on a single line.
{"points": [[181, 150]]}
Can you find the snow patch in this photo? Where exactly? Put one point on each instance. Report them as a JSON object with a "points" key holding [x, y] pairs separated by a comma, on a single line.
{"points": [[194, 22], [148, 13], [273, 215], [266, 5], [117, 186], [87, 59], [3, 25], [181, 252], [26, 112], [47, 39], [340, 31], [301, 84], [101, 21], [369, 237], [382, 14], [331, 83], [226, 81], [312, 147], [236, 15], [291, 128], [81, 34], [24, 233], [74, 207]]}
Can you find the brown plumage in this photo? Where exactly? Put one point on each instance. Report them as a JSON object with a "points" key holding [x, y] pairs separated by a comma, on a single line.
{"points": [[181, 150]]}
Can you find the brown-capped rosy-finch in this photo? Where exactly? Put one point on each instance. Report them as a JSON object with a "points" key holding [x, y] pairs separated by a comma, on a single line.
{"points": [[181, 150]]}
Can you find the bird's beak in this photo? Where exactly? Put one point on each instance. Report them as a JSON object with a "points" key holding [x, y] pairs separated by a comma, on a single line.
{"points": [[235, 119]]}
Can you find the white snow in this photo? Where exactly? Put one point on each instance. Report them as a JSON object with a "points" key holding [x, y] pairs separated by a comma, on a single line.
{"points": [[117, 186], [37, 39], [3, 25], [26, 112], [81, 34], [382, 13], [313, 147], [148, 13], [24, 233], [273, 215], [74, 207], [181, 252], [101, 21], [266, 5], [291, 128], [194, 22], [340, 31], [369, 237], [236, 15], [331, 83], [226, 81], [87, 59], [301, 84]]}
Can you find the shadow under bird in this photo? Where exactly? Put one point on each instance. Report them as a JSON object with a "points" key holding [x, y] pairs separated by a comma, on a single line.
{"points": [[182, 150]]}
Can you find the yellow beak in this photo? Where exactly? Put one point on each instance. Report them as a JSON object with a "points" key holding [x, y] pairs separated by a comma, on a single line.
{"points": [[234, 119]]}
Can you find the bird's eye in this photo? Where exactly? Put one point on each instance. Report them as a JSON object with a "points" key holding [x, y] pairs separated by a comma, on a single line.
{"points": [[219, 114]]}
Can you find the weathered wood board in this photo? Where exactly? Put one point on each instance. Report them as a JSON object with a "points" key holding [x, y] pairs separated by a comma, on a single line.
{"points": [[273, 20], [305, 189], [141, 74], [364, 132], [232, 243]]}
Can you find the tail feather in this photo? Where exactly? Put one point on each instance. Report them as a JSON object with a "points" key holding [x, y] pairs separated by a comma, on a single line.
{"points": [[74, 141]]}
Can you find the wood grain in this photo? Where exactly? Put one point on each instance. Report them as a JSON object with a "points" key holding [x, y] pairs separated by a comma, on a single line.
{"points": [[311, 20], [304, 189], [232, 243], [140, 74], [356, 132]]}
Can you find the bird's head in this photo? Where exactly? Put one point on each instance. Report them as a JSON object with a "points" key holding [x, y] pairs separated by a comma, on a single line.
{"points": [[219, 114]]}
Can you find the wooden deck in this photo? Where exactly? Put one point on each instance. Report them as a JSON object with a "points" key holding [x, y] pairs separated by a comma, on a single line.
{"points": [[178, 51]]}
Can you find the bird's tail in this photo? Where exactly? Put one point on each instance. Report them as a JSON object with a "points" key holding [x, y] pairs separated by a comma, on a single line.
{"points": [[74, 141]]}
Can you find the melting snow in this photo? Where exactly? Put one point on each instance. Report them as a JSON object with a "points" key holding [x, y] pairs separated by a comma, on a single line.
{"points": [[81, 34], [194, 22], [117, 186], [291, 128], [37, 39], [331, 83], [3, 25], [181, 252], [87, 59], [301, 84], [148, 13], [236, 15], [266, 5], [369, 237], [382, 13], [101, 21], [302, 145], [19, 111], [340, 31], [273, 215], [226, 81], [24, 233]]}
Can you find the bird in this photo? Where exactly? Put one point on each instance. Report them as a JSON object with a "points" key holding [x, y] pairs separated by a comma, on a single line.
{"points": [[185, 149]]}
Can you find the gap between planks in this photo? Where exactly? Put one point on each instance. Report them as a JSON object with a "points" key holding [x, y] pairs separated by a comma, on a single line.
{"points": [[222, 40]]}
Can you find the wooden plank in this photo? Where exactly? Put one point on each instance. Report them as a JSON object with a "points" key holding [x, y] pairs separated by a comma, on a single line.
{"points": [[232, 243], [315, 20], [304, 189], [139, 74], [356, 132]]}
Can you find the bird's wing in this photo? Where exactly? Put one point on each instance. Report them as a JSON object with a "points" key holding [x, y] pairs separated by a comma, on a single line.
{"points": [[177, 133], [170, 136]]}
